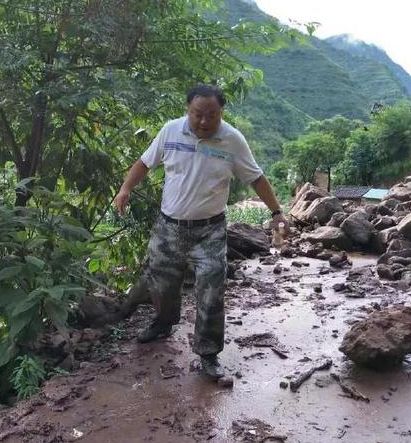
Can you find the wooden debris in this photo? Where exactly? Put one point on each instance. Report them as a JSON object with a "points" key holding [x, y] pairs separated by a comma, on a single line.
{"points": [[265, 340], [298, 380], [351, 391]]}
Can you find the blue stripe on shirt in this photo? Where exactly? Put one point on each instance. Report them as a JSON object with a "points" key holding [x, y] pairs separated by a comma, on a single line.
{"points": [[174, 146]]}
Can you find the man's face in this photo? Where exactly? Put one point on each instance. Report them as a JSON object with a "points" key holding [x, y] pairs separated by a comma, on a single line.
{"points": [[204, 116]]}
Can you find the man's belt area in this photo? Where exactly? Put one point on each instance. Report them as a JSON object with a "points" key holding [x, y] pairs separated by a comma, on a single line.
{"points": [[193, 223]]}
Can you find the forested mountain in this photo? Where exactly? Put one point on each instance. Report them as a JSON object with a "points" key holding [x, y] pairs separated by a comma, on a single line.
{"points": [[372, 52], [315, 80]]}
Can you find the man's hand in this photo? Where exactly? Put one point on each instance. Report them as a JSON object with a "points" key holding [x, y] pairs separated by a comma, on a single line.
{"points": [[121, 200], [278, 221]]}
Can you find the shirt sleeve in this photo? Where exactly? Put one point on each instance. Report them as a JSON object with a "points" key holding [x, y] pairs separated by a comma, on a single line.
{"points": [[245, 167], [153, 156]]}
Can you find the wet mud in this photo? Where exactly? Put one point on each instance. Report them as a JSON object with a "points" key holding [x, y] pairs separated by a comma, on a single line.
{"points": [[284, 319]]}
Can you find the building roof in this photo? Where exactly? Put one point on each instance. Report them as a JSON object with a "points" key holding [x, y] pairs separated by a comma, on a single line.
{"points": [[351, 192], [376, 194]]}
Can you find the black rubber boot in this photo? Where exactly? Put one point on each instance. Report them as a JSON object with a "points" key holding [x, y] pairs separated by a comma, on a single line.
{"points": [[154, 331], [211, 366]]}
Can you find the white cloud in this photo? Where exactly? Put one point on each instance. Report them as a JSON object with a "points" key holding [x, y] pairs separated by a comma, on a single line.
{"points": [[386, 24]]}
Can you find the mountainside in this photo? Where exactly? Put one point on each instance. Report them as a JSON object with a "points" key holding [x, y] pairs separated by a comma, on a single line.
{"points": [[317, 80], [372, 52]]}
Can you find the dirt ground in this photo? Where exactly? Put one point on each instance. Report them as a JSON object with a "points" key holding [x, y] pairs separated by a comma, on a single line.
{"points": [[277, 326]]}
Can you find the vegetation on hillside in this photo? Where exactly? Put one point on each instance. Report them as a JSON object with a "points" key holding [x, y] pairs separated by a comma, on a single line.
{"points": [[353, 152], [314, 80]]}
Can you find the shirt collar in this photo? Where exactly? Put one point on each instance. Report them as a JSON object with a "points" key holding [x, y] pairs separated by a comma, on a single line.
{"points": [[218, 136]]}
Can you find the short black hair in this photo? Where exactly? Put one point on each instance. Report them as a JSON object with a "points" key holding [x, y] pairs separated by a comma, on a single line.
{"points": [[206, 91]]}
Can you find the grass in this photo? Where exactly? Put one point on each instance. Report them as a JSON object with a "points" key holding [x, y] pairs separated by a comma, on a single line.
{"points": [[251, 216]]}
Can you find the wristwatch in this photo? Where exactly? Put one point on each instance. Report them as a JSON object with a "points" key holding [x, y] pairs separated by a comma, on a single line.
{"points": [[276, 212]]}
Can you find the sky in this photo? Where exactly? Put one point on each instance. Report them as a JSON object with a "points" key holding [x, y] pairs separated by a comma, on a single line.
{"points": [[385, 23]]}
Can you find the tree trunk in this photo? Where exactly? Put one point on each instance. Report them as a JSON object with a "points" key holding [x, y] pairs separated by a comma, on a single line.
{"points": [[32, 158], [329, 180]]}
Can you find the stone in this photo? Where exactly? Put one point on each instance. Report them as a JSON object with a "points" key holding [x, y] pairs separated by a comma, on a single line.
{"points": [[384, 222], [322, 209], [390, 203], [329, 236], [337, 219], [226, 382], [405, 261], [385, 272], [380, 341], [358, 228], [314, 205], [398, 244], [383, 209], [385, 257], [338, 260], [244, 240], [380, 239], [401, 191], [404, 227]]}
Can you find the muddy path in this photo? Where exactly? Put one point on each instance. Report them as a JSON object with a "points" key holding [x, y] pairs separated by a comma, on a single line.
{"points": [[279, 324]]}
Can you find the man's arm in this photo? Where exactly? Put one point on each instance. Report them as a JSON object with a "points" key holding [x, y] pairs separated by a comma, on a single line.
{"points": [[264, 190], [134, 176]]}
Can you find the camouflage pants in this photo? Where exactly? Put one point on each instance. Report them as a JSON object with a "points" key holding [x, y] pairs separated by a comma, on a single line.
{"points": [[171, 250]]}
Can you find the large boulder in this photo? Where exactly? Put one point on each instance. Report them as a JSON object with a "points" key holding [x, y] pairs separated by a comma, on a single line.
{"points": [[336, 219], [384, 222], [384, 258], [404, 227], [309, 192], [322, 209], [244, 240], [303, 199], [329, 236], [380, 239], [358, 228], [319, 210], [380, 341], [401, 191]]}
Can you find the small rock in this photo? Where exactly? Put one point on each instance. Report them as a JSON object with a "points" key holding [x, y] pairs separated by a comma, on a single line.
{"points": [[226, 382], [277, 269], [283, 384]]}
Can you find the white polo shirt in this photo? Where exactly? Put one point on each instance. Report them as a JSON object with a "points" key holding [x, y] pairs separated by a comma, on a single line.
{"points": [[198, 171]]}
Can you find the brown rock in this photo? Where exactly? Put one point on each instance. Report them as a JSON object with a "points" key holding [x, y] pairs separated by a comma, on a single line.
{"points": [[329, 236], [404, 227], [380, 341], [385, 272], [244, 240], [358, 228]]}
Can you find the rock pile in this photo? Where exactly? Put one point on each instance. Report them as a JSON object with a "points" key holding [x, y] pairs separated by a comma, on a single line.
{"points": [[383, 228]]}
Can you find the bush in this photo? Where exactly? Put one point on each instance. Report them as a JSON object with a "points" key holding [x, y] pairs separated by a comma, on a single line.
{"points": [[42, 270]]}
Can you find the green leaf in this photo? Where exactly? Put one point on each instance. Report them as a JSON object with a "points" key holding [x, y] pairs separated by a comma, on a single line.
{"points": [[94, 265], [7, 351], [36, 262], [56, 292], [33, 300], [21, 321], [57, 312], [10, 272], [10, 297]]}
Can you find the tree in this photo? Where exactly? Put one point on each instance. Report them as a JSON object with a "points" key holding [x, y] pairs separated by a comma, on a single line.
{"points": [[391, 129], [310, 152], [80, 78], [360, 162]]}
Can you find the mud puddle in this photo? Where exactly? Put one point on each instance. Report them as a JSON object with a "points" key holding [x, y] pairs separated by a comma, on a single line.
{"points": [[278, 326]]}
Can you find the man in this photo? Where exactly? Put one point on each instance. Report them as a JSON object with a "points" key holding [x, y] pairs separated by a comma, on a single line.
{"points": [[200, 153]]}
